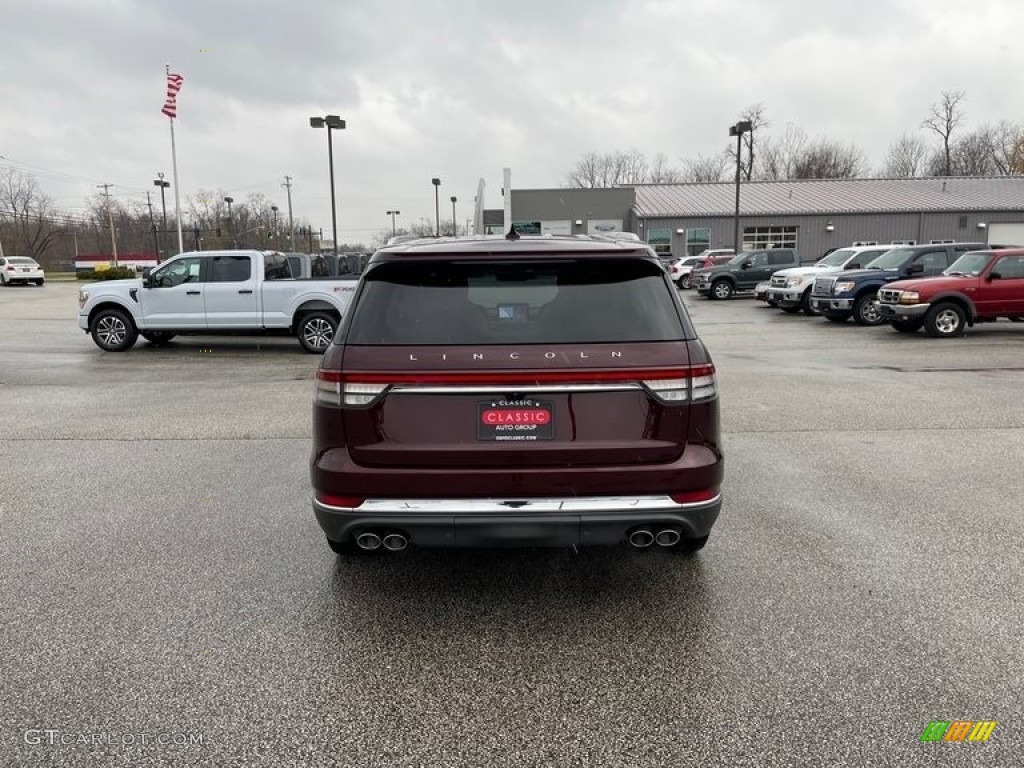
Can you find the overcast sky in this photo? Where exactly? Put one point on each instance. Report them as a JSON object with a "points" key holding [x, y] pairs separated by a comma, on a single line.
{"points": [[461, 89]]}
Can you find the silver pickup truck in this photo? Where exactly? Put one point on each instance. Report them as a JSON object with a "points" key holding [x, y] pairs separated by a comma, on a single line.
{"points": [[212, 293]]}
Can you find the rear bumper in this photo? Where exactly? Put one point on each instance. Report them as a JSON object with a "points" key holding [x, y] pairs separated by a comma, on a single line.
{"points": [[597, 521]]}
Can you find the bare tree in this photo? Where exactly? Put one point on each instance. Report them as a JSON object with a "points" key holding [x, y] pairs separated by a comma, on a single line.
{"points": [[26, 213], [827, 159], [943, 119], [611, 169], [755, 115], [905, 158], [661, 173], [1007, 139], [705, 169], [779, 155]]}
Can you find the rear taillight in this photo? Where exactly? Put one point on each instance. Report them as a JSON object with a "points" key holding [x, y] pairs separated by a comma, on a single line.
{"points": [[695, 497], [349, 502], [693, 385], [334, 388]]}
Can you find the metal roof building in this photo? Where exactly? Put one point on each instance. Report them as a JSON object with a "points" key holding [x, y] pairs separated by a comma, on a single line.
{"points": [[809, 215]]}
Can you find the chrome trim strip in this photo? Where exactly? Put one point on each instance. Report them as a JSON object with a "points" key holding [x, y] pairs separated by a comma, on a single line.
{"points": [[514, 505], [493, 389]]}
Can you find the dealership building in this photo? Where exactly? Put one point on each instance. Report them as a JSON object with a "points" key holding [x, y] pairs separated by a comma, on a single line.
{"points": [[812, 216]]}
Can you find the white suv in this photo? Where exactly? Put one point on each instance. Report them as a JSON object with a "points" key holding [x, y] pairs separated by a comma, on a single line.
{"points": [[20, 269]]}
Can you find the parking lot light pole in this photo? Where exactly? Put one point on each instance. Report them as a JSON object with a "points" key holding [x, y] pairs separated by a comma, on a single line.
{"points": [[332, 123], [394, 227], [273, 231], [455, 231], [159, 182], [437, 207], [743, 126], [231, 222]]}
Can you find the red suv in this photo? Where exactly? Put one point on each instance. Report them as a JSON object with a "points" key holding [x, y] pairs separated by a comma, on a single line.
{"points": [[516, 391]]}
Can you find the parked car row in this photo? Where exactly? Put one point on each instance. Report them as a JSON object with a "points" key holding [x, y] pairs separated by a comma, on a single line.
{"points": [[943, 288]]}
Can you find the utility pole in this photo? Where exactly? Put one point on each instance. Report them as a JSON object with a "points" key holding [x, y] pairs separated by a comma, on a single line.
{"points": [[110, 218], [152, 223], [291, 222]]}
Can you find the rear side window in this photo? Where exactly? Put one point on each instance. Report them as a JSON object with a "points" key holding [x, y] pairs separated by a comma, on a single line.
{"points": [[780, 257], [275, 267], [230, 269], [550, 302]]}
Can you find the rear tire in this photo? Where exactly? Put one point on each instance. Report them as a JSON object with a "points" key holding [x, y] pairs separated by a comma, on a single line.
{"points": [[865, 310], [315, 331], [945, 321], [40, 281], [113, 330], [907, 326]]}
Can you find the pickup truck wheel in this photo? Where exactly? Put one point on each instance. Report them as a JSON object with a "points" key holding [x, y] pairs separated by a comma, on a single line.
{"points": [[721, 289], [40, 281], [945, 321], [865, 310], [907, 326], [157, 337], [113, 330], [316, 331], [805, 304]]}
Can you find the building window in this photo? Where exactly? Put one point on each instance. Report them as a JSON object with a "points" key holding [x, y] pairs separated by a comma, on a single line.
{"points": [[963, 222], [660, 240], [755, 238]]}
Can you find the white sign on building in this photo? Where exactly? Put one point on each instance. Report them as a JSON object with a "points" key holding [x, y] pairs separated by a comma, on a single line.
{"points": [[556, 227], [601, 226]]}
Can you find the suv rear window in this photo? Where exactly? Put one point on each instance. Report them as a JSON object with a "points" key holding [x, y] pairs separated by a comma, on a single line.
{"points": [[501, 302]]}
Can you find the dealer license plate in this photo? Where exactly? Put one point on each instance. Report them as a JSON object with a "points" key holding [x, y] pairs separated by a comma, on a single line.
{"points": [[515, 420]]}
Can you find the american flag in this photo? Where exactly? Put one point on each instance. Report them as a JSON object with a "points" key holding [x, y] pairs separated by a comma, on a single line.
{"points": [[173, 86]]}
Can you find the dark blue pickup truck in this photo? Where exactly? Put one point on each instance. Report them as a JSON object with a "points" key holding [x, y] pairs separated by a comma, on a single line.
{"points": [[855, 293]]}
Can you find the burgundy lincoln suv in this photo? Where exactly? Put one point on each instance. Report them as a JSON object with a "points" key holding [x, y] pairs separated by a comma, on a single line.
{"points": [[516, 391]]}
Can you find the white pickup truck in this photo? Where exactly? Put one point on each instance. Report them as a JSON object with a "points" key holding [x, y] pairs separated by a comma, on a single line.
{"points": [[790, 289], [212, 293]]}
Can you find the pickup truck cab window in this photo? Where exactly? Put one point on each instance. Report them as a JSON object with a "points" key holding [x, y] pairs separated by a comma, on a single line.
{"points": [[230, 269], [933, 260], [782, 257], [1009, 268], [177, 273]]}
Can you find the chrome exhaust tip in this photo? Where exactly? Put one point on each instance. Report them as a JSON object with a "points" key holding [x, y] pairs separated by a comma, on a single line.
{"points": [[395, 542], [668, 537], [368, 541], [641, 538]]}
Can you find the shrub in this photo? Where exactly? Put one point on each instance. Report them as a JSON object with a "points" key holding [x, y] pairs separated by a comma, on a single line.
{"points": [[113, 273]]}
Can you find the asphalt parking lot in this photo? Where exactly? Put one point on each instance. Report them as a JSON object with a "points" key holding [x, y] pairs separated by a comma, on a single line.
{"points": [[167, 598]]}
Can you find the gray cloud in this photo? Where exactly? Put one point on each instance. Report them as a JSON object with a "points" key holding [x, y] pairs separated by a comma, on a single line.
{"points": [[434, 88]]}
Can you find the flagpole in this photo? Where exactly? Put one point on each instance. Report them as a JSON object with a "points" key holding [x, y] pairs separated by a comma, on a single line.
{"points": [[174, 170]]}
